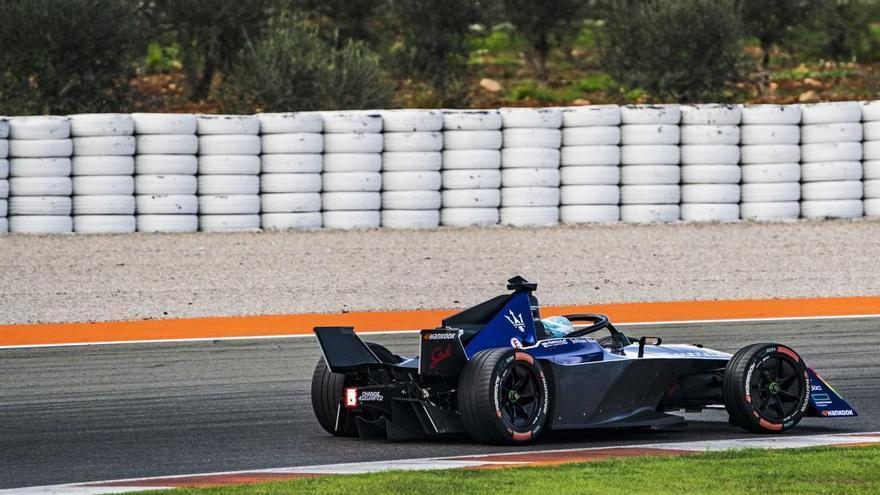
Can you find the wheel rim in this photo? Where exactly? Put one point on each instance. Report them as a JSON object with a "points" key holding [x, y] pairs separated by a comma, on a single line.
{"points": [[520, 397], [777, 388]]}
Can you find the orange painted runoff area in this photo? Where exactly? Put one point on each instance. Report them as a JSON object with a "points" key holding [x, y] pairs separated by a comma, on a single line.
{"points": [[300, 324]]}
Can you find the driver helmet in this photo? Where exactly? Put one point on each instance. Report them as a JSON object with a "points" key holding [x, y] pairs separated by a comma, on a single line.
{"points": [[557, 326]]}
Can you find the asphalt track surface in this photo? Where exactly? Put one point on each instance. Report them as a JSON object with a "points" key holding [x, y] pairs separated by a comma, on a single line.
{"points": [[73, 414]]}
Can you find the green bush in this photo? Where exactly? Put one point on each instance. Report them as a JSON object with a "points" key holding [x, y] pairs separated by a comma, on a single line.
{"points": [[675, 49], [67, 56], [544, 25], [770, 22], [838, 30]]}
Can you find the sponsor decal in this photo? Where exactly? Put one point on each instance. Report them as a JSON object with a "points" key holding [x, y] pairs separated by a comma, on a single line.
{"points": [[371, 396], [839, 412], [515, 343], [698, 354], [516, 320], [440, 354], [553, 343], [441, 336]]}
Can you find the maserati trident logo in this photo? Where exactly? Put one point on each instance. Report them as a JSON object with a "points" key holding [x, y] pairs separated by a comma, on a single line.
{"points": [[516, 321]]}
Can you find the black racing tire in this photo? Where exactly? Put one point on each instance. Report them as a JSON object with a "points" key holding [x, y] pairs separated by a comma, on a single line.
{"points": [[327, 390], [503, 397], [766, 388]]}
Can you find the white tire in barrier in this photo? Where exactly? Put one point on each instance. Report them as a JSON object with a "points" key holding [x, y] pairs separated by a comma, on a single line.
{"points": [[163, 123], [590, 155], [166, 164], [351, 201], [831, 171], [771, 114], [830, 112], [103, 185], [410, 219], [40, 186], [104, 205], [471, 120], [871, 150], [167, 144], [710, 193], [663, 213], [711, 174], [650, 114], [352, 121], [831, 133], [589, 195], [471, 198], [770, 192], [352, 181], [412, 120], [870, 110], [39, 167], [549, 118], [229, 144], [831, 190], [411, 181], [4, 188], [291, 221], [871, 169], [530, 158], [4, 127], [770, 211], [471, 159], [233, 204], [401, 161], [532, 138], [643, 194], [104, 224], [101, 124], [831, 152], [843, 208], [529, 196], [871, 189], [591, 115], [40, 205], [311, 163], [4, 169], [102, 165], [770, 134], [4, 148], [351, 162], [650, 154], [872, 207], [589, 175], [229, 223], [770, 153], [523, 216], [170, 224], [710, 134], [290, 122], [290, 202], [349, 220], [709, 154], [40, 148], [530, 177], [711, 114], [290, 183], [353, 143], [229, 164], [411, 200], [227, 124], [709, 212], [292, 143], [589, 214], [771, 172], [649, 134], [650, 174], [590, 136], [472, 140], [229, 184], [104, 146], [39, 224], [871, 130], [413, 141], [469, 217], [471, 179], [165, 184], [4, 208], [39, 128], [167, 204]]}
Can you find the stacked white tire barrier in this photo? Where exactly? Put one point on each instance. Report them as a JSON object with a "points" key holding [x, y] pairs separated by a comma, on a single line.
{"points": [[165, 168], [649, 158], [4, 175], [770, 162], [411, 163], [39, 169], [530, 166], [590, 159], [710, 172], [352, 178], [103, 173], [292, 161], [471, 175], [871, 157]]}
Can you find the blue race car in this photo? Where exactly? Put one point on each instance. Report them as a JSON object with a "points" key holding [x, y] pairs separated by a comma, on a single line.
{"points": [[496, 372]]}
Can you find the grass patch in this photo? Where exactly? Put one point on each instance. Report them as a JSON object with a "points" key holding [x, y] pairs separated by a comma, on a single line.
{"points": [[806, 471]]}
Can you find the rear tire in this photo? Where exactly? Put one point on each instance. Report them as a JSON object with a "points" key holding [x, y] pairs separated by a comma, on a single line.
{"points": [[327, 389]]}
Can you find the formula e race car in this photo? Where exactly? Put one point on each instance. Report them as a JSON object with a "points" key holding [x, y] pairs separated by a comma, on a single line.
{"points": [[493, 372]]}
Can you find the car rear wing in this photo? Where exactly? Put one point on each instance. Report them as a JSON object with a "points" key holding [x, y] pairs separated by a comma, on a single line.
{"points": [[344, 351]]}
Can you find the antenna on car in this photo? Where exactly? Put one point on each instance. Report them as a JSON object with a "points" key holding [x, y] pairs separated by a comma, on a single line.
{"points": [[518, 283]]}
